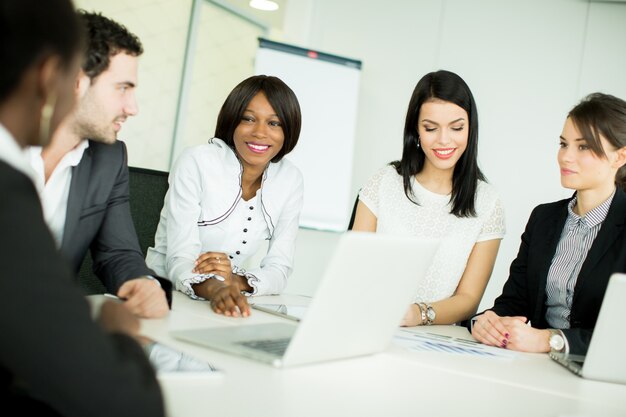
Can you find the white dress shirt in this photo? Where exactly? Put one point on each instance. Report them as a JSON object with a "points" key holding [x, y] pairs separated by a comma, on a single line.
{"points": [[204, 211], [55, 192], [12, 154]]}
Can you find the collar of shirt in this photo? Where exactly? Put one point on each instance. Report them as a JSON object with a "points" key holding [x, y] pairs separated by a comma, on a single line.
{"points": [[70, 159], [592, 218], [273, 184], [55, 192], [12, 154]]}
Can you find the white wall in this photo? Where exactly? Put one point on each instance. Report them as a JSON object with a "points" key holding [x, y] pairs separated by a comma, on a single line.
{"points": [[527, 63]]}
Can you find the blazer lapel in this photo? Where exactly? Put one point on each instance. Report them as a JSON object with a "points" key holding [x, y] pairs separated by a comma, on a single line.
{"points": [[553, 230], [76, 197], [610, 230]]}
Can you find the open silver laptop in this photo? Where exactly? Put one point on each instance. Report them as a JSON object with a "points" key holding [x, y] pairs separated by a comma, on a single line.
{"points": [[364, 293], [604, 360]]}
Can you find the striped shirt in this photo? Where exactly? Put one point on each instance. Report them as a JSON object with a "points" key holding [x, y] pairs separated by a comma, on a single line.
{"points": [[576, 240]]}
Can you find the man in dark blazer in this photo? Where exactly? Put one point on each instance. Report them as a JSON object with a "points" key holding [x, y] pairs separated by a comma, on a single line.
{"points": [[83, 172]]}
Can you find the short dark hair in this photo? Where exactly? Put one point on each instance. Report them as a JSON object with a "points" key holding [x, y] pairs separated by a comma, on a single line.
{"points": [[31, 30], [604, 115], [283, 101], [105, 38], [446, 86]]}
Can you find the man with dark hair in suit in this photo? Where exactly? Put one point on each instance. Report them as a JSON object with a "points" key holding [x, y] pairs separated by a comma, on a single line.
{"points": [[83, 173]]}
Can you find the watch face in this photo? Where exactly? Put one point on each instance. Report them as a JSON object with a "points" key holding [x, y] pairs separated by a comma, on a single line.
{"points": [[557, 342], [431, 314]]}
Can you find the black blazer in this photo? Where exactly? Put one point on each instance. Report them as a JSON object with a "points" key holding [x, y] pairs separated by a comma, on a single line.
{"points": [[98, 217], [524, 293], [54, 360]]}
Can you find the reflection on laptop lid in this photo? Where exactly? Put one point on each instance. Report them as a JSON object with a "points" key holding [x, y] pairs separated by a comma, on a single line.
{"points": [[604, 360], [364, 293]]}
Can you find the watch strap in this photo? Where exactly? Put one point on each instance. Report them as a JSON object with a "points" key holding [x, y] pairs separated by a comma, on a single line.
{"points": [[422, 308], [430, 315]]}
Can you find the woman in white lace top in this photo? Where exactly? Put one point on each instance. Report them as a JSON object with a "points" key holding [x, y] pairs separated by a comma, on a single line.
{"points": [[437, 191]]}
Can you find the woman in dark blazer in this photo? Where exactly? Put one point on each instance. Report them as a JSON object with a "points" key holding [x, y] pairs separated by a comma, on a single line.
{"points": [[570, 247]]}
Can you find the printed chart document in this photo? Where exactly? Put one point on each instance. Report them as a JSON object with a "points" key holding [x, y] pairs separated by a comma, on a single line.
{"points": [[430, 342]]}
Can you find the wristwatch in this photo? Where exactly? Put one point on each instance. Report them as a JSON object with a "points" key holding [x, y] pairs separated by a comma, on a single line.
{"points": [[430, 314], [557, 341]]}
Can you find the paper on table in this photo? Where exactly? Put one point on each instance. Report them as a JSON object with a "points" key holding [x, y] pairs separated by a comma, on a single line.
{"points": [[430, 342], [293, 312], [169, 361]]}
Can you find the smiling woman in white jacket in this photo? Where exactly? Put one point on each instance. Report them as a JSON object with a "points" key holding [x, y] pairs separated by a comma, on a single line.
{"points": [[227, 196]]}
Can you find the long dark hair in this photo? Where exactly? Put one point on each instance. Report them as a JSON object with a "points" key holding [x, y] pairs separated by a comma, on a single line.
{"points": [[446, 86], [602, 114], [280, 96]]}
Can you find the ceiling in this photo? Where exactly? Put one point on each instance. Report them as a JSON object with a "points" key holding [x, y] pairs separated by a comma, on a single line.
{"points": [[272, 19]]}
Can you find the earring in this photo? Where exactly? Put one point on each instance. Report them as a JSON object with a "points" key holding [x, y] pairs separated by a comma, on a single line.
{"points": [[46, 119], [418, 142]]}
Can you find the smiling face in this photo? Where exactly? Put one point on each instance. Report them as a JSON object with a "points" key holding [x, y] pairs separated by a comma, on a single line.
{"points": [[581, 168], [443, 129], [259, 135], [108, 100]]}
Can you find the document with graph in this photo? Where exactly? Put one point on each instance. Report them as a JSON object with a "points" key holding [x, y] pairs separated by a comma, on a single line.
{"points": [[431, 342]]}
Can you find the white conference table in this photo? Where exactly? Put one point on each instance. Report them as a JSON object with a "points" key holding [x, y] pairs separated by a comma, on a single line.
{"points": [[397, 382]]}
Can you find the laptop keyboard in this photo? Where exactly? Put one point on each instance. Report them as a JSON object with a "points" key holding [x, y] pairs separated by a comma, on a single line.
{"points": [[274, 346]]}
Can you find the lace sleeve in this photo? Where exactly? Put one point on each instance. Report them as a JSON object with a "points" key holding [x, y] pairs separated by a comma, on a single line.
{"points": [[494, 226], [370, 192], [185, 285]]}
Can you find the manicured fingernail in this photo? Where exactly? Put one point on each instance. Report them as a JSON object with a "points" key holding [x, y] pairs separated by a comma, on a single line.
{"points": [[504, 342], [506, 335], [503, 345]]}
